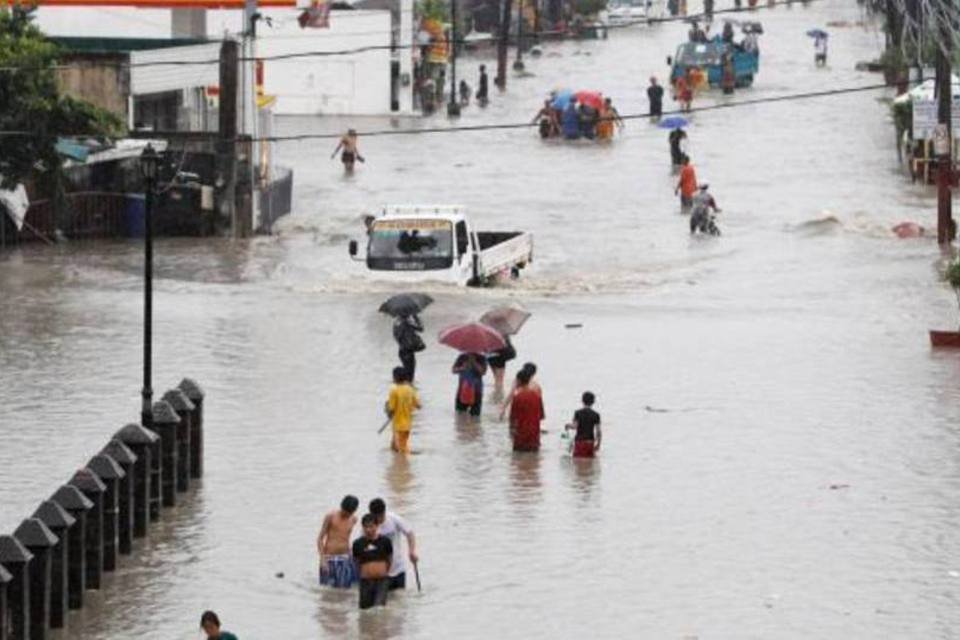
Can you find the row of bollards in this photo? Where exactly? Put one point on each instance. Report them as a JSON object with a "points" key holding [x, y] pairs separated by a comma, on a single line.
{"points": [[65, 547]]}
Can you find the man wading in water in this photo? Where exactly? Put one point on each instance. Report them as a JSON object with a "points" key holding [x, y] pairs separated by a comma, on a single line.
{"points": [[348, 143], [336, 567], [392, 526], [373, 553]]}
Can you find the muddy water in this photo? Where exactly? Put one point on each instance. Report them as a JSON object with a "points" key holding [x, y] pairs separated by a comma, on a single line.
{"points": [[738, 378]]}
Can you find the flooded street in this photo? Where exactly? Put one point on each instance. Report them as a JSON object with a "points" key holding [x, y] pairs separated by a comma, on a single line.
{"points": [[739, 378]]}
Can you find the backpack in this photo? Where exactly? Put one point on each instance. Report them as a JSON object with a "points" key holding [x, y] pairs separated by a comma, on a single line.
{"points": [[466, 395]]}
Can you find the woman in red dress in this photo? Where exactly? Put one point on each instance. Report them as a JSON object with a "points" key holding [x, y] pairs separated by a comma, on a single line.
{"points": [[526, 413]]}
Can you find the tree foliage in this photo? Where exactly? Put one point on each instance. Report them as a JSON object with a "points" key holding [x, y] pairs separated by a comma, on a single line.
{"points": [[438, 10], [30, 101]]}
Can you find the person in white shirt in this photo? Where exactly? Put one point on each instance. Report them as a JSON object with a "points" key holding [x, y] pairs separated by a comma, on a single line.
{"points": [[392, 526], [820, 51]]}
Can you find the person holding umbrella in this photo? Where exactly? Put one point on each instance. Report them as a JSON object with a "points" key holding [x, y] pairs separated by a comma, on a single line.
{"points": [[406, 330], [470, 369], [407, 327], [819, 46], [507, 321], [471, 340]]}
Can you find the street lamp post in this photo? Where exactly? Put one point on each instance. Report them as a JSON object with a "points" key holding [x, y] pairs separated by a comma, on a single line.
{"points": [[453, 107], [149, 166], [518, 63]]}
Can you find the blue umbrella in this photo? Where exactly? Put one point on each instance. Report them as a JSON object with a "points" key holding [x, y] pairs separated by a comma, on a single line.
{"points": [[673, 122], [818, 33], [562, 98]]}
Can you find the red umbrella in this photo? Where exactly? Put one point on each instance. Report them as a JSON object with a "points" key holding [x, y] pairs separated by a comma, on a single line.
{"points": [[590, 98], [472, 337]]}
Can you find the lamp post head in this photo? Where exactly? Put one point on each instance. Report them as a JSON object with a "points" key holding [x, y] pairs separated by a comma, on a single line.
{"points": [[149, 164]]}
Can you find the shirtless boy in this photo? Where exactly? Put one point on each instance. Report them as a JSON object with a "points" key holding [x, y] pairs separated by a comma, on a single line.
{"points": [[337, 568]]}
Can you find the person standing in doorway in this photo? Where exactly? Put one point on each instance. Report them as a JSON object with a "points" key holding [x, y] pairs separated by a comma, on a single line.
{"points": [[526, 413], [406, 331], [686, 185], [483, 87], [586, 422], [210, 624], [373, 553], [401, 404], [336, 566], [393, 527], [655, 96]]}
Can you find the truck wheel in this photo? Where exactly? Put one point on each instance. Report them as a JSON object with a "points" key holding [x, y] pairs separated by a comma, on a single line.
{"points": [[515, 272]]}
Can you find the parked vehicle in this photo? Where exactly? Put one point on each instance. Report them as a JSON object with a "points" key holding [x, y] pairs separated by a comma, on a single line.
{"points": [[414, 243], [626, 12], [708, 56]]}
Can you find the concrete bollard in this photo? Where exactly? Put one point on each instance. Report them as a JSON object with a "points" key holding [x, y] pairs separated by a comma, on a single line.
{"points": [[93, 488], [146, 475], [110, 474], [184, 408], [165, 423], [5, 579], [59, 522], [125, 501], [15, 557], [195, 394], [39, 541], [77, 505]]}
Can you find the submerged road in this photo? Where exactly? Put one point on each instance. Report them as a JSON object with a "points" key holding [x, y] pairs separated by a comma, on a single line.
{"points": [[784, 358]]}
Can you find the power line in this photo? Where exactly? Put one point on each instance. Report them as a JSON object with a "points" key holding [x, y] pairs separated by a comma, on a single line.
{"points": [[398, 47], [809, 95]]}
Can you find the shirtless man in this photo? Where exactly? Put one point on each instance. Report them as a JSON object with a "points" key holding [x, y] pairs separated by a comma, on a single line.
{"points": [[333, 544], [348, 143]]}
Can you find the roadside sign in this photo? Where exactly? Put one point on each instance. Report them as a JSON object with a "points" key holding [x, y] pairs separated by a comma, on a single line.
{"points": [[925, 118], [941, 140]]}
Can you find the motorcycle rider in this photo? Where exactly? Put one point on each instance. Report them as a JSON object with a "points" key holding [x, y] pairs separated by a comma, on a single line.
{"points": [[700, 218]]}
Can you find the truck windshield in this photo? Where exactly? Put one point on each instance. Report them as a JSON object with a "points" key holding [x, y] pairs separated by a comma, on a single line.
{"points": [[699, 54], [410, 244]]}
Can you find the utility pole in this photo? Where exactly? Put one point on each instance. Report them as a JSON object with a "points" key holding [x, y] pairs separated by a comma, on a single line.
{"points": [[518, 63], [506, 10], [227, 142], [943, 141], [453, 107]]}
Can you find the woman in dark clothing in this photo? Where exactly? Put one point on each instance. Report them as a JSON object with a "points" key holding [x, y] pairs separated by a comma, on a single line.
{"points": [[406, 330], [498, 362], [470, 368]]}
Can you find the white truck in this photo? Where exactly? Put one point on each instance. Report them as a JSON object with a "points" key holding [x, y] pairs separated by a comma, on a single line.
{"points": [[417, 243]]}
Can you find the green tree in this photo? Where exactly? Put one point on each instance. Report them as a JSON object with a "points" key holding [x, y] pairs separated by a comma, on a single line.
{"points": [[30, 102], [434, 10]]}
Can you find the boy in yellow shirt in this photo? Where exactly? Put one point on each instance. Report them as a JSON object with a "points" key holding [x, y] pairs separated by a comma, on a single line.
{"points": [[401, 403]]}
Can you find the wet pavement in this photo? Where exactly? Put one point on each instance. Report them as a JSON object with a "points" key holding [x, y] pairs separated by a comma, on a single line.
{"points": [[739, 378]]}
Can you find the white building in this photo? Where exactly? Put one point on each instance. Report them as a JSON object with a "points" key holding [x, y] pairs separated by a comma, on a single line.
{"points": [[364, 78]]}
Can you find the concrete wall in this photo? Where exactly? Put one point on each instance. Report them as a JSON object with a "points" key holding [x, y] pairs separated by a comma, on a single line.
{"points": [[355, 84], [98, 79]]}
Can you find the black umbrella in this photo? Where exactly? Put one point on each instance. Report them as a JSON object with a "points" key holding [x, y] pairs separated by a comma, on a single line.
{"points": [[406, 304]]}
